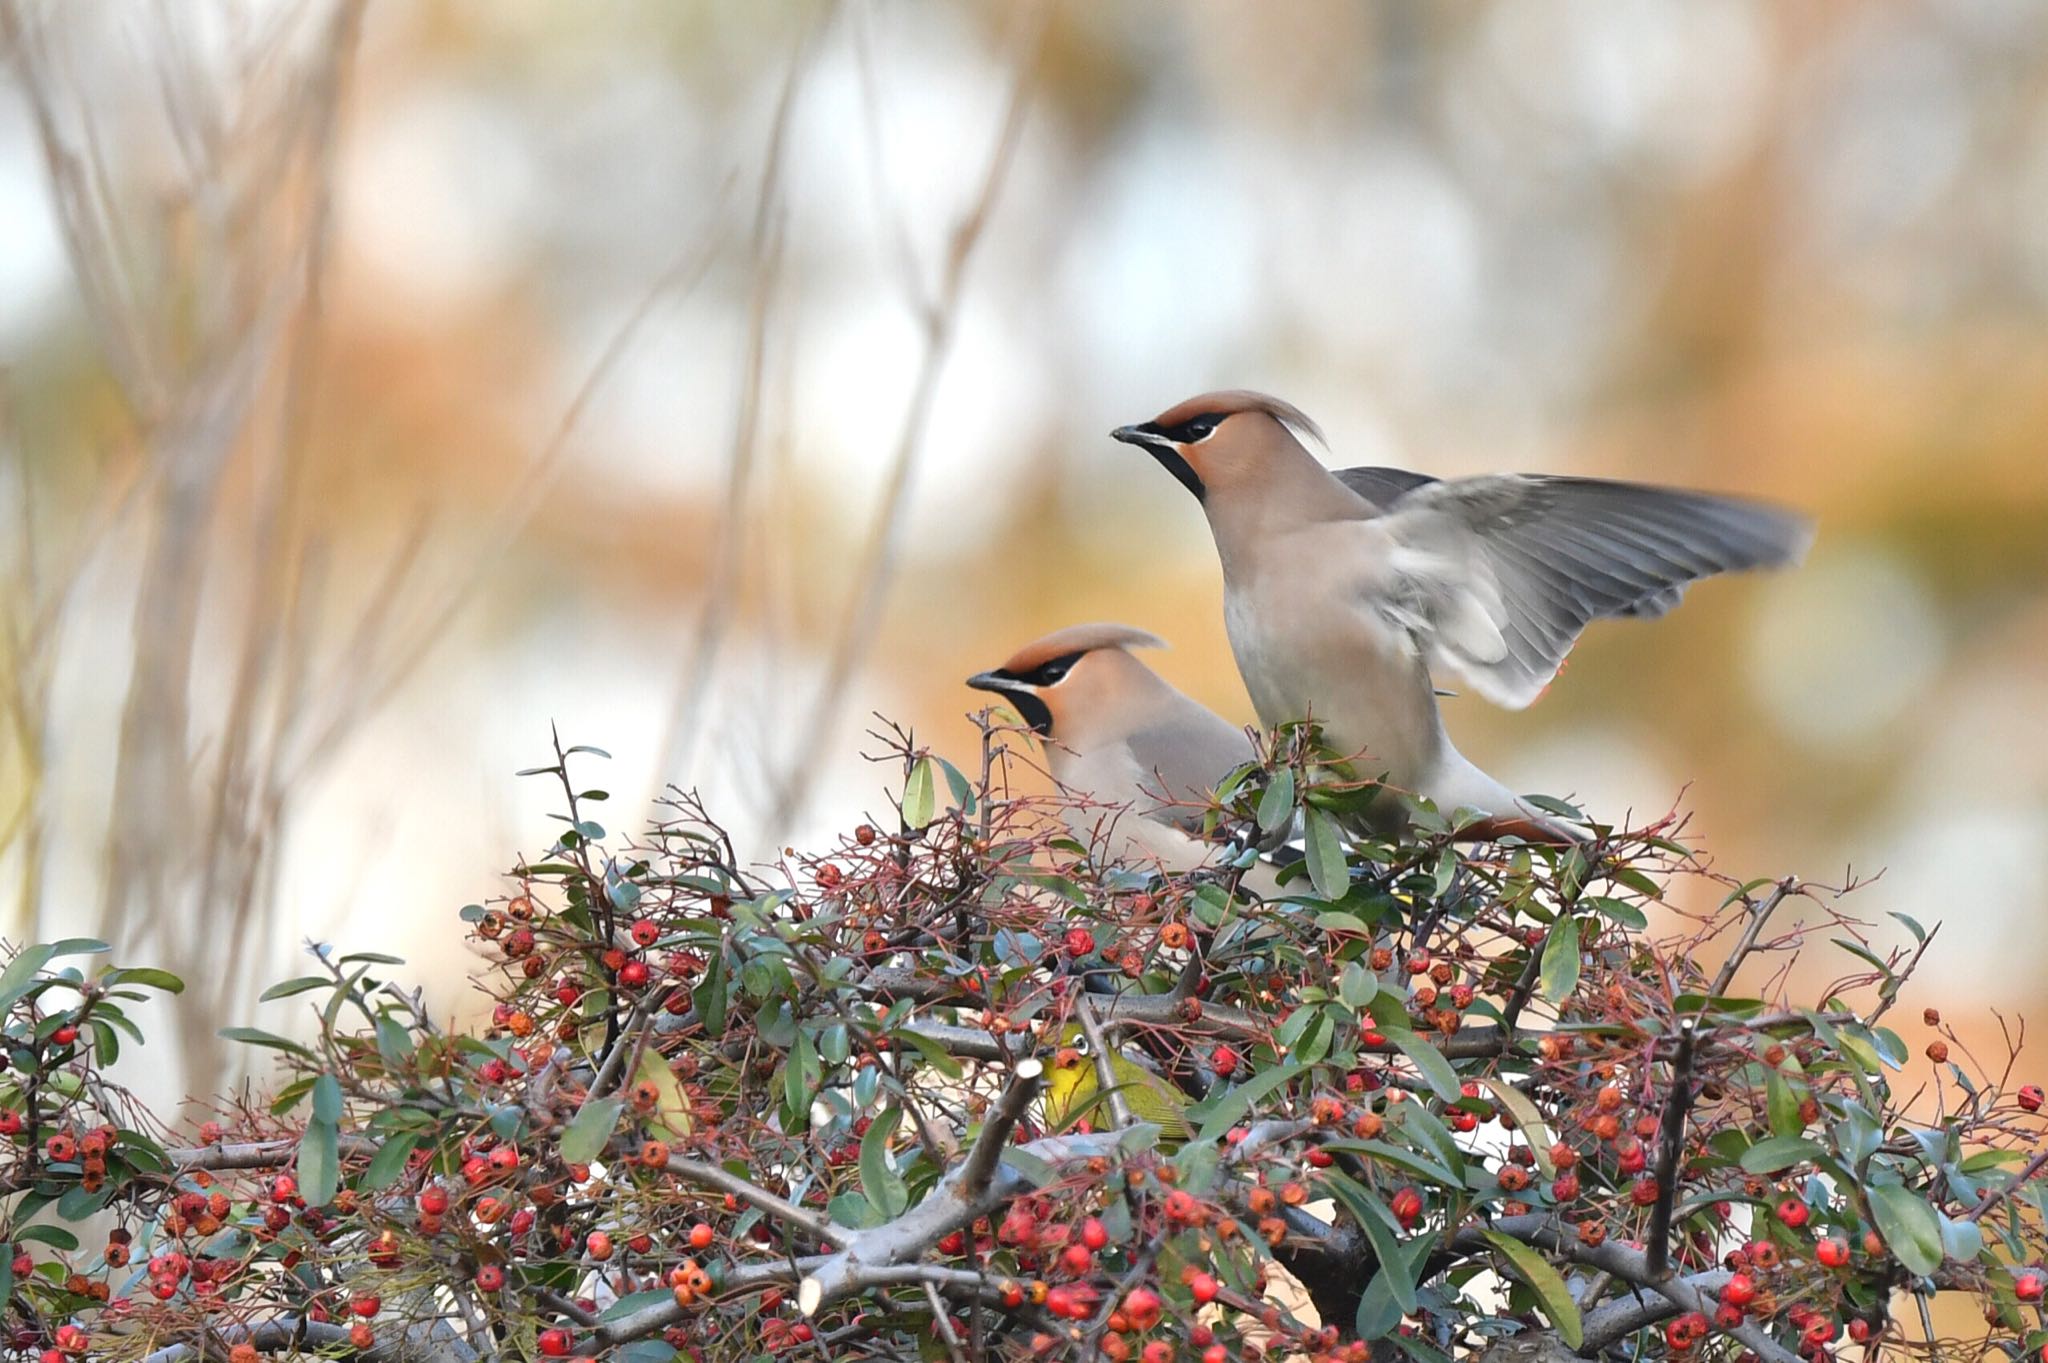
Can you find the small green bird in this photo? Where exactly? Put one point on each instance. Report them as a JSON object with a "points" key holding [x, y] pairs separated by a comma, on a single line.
{"points": [[1073, 1093]]}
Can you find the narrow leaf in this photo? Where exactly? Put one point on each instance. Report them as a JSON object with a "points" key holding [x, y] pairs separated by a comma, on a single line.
{"points": [[1276, 803], [1220, 1114], [921, 794], [1779, 1152], [1528, 1120], [1443, 1080], [1324, 848], [389, 1161], [1532, 1268], [327, 1100], [1559, 974], [319, 1167], [21, 973], [883, 1185]]}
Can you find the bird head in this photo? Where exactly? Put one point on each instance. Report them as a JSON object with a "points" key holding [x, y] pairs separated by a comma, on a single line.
{"points": [[1073, 681], [1073, 1085], [1220, 442]]}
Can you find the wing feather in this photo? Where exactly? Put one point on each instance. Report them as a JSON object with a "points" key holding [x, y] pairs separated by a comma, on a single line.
{"points": [[1541, 557]]}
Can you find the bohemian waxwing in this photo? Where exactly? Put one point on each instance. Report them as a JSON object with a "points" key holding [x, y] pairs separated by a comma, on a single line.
{"points": [[1344, 591], [1139, 759]]}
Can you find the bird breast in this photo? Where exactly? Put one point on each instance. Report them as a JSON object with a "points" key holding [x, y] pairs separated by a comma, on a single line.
{"points": [[1310, 644]]}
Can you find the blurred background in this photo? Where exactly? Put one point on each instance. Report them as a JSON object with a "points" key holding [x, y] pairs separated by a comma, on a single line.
{"points": [[384, 383]]}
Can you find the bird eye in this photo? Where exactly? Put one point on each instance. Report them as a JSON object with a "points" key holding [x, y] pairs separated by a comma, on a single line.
{"points": [[1051, 672], [1195, 431], [1081, 1045]]}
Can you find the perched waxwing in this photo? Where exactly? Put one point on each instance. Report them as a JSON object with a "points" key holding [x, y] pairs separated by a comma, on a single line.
{"points": [[1345, 591], [1138, 758]]}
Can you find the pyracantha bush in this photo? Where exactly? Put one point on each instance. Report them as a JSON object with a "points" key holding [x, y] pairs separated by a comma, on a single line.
{"points": [[1433, 1099]]}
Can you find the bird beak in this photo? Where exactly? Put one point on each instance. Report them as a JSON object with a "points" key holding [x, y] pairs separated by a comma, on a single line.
{"points": [[996, 681], [1021, 695], [1154, 442], [1146, 436]]}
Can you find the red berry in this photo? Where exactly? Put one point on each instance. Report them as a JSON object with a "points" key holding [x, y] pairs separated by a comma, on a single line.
{"points": [[1793, 1212], [1077, 1259], [65, 1035], [1204, 1287], [645, 933], [1142, 1307], [490, 1278], [1739, 1290], [1223, 1060], [554, 1342], [1079, 941], [1831, 1252], [1094, 1234], [700, 1236], [283, 1188], [434, 1200], [361, 1337], [366, 1306], [1407, 1206], [2030, 1097], [2028, 1286], [633, 974], [954, 1243]]}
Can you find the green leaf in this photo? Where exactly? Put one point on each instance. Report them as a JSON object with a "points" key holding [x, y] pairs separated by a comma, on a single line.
{"points": [[1528, 1120], [1782, 1102], [79, 946], [1357, 985], [1221, 1113], [389, 1161], [589, 1130], [394, 1041], [1324, 847], [373, 957], [54, 1236], [1558, 975], [300, 985], [1532, 1268], [147, 976], [1960, 1240], [256, 1036], [327, 1099], [319, 1162], [1908, 1226], [1413, 1161], [79, 1205], [21, 973], [1378, 1312], [883, 1185], [1381, 1230], [1276, 803], [709, 996], [921, 794], [1443, 1080], [1774, 1153]]}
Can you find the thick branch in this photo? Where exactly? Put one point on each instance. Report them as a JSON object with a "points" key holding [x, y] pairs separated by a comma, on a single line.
{"points": [[1630, 1266], [1670, 1142], [949, 1206]]}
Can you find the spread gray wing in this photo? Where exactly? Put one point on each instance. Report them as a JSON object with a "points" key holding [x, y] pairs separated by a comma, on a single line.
{"points": [[1383, 487], [1497, 576]]}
